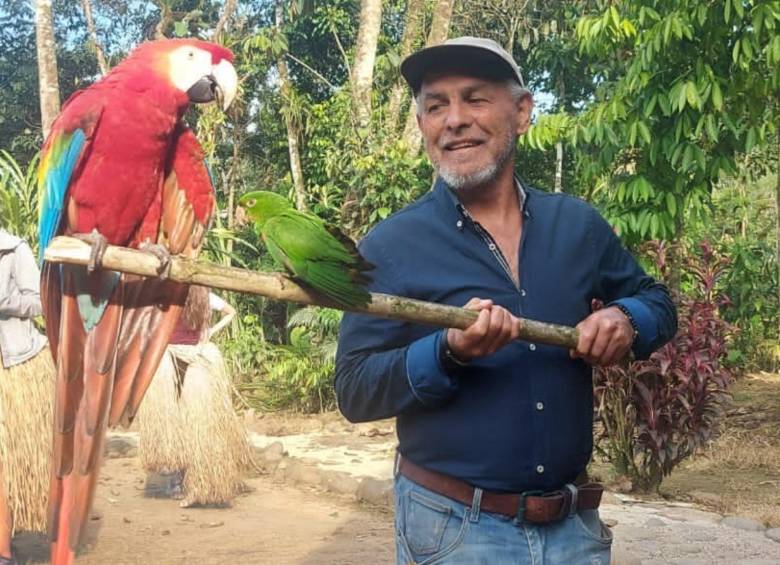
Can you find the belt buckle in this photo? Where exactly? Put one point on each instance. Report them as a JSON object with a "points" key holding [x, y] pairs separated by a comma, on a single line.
{"points": [[520, 516]]}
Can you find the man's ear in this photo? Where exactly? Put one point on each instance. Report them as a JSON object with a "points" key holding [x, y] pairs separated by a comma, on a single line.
{"points": [[525, 108]]}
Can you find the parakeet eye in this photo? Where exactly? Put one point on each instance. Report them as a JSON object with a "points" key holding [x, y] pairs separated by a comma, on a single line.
{"points": [[191, 55], [251, 203]]}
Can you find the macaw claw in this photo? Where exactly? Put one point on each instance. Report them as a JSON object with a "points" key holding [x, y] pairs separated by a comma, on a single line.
{"points": [[162, 253], [98, 244]]}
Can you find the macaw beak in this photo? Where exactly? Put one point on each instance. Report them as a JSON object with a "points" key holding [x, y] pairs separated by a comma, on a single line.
{"points": [[221, 85]]}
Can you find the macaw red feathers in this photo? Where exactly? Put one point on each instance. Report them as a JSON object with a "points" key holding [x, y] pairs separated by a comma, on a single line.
{"points": [[118, 161], [153, 49]]}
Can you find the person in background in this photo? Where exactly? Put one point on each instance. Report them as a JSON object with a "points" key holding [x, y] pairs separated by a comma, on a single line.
{"points": [[26, 397], [188, 426]]}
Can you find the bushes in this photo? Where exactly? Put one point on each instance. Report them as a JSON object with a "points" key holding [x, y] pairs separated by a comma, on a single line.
{"points": [[298, 375], [658, 412]]}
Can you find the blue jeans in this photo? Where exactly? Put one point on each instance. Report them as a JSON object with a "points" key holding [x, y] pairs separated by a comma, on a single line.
{"points": [[431, 528]]}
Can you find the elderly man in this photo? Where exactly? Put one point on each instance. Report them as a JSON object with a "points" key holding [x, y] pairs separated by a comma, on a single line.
{"points": [[494, 434]]}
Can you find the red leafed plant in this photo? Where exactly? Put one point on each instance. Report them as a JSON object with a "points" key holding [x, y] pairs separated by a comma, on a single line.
{"points": [[658, 412]]}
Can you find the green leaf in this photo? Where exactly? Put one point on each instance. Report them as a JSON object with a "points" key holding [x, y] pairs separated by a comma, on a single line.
{"points": [[671, 204], [750, 141], [747, 49], [644, 131], [682, 97], [692, 94], [650, 106], [735, 51], [615, 17], [717, 96], [712, 129], [738, 8], [180, 29]]}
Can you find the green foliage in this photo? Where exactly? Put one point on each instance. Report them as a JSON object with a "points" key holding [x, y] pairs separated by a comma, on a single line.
{"points": [[664, 109], [358, 181], [19, 198], [682, 91], [298, 375], [654, 414], [741, 224]]}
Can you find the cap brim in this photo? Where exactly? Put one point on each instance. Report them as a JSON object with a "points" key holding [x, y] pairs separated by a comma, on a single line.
{"points": [[443, 58]]}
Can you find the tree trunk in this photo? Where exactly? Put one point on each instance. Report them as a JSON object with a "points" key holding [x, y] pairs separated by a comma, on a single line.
{"points": [[559, 144], [46, 47], [365, 55], [558, 166], [777, 210], [412, 28], [224, 20], [101, 56], [440, 27], [165, 20], [291, 121]]}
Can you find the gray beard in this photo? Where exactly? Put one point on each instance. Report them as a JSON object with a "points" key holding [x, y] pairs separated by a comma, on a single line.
{"points": [[483, 176]]}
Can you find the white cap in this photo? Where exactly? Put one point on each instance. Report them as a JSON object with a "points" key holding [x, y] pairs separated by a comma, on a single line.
{"points": [[478, 55]]}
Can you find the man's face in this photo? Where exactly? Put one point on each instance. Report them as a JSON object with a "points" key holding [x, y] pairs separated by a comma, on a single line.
{"points": [[470, 126]]}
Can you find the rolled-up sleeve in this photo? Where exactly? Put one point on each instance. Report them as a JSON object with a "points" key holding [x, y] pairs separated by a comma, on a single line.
{"points": [[623, 281]]}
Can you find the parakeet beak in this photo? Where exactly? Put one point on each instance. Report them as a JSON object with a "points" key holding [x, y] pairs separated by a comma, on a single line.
{"points": [[240, 217], [221, 85]]}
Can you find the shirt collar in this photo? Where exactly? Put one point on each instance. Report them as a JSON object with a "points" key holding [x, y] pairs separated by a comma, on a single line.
{"points": [[456, 211]]}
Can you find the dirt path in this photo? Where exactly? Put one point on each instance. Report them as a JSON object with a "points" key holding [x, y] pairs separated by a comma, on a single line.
{"points": [[273, 523]]}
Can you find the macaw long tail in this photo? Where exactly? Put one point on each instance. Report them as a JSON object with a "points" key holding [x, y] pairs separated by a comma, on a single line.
{"points": [[85, 378], [103, 370], [61, 552]]}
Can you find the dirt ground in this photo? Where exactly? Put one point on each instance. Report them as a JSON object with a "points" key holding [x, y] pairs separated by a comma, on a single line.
{"points": [[739, 472], [272, 523], [276, 522]]}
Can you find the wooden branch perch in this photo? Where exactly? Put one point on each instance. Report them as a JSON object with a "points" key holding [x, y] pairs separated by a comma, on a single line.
{"points": [[280, 287]]}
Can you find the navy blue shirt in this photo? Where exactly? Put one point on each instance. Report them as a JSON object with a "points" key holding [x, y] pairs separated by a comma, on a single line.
{"points": [[518, 419]]}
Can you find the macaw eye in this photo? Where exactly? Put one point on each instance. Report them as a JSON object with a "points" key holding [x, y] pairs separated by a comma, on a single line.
{"points": [[251, 203]]}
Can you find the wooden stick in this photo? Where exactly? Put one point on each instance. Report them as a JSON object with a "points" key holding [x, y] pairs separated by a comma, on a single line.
{"points": [[280, 287]]}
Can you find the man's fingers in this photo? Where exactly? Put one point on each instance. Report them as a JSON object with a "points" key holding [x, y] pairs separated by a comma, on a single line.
{"points": [[478, 304], [501, 330], [587, 333], [478, 330]]}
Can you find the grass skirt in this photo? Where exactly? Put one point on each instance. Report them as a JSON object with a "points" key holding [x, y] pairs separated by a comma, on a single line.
{"points": [[187, 423], [26, 420]]}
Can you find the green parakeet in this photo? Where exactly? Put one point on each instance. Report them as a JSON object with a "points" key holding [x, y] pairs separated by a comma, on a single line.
{"points": [[315, 254]]}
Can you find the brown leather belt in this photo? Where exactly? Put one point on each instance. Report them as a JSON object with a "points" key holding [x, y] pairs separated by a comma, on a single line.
{"points": [[532, 506]]}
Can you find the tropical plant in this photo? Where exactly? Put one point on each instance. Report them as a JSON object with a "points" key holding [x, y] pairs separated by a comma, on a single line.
{"points": [[19, 198], [654, 414], [298, 375]]}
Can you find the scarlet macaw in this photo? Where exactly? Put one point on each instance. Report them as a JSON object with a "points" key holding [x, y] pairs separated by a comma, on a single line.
{"points": [[119, 167]]}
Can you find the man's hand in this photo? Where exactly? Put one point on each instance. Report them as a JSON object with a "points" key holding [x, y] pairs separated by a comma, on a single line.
{"points": [[606, 337], [494, 328]]}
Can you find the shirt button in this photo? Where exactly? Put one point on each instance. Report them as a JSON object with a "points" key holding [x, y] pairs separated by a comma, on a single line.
{"points": [[522, 292], [532, 347], [540, 469], [492, 246], [540, 405], [459, 223]]}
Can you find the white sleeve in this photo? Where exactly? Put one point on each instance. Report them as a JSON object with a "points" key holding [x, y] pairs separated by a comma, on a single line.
{"points": [[216, 303]]}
